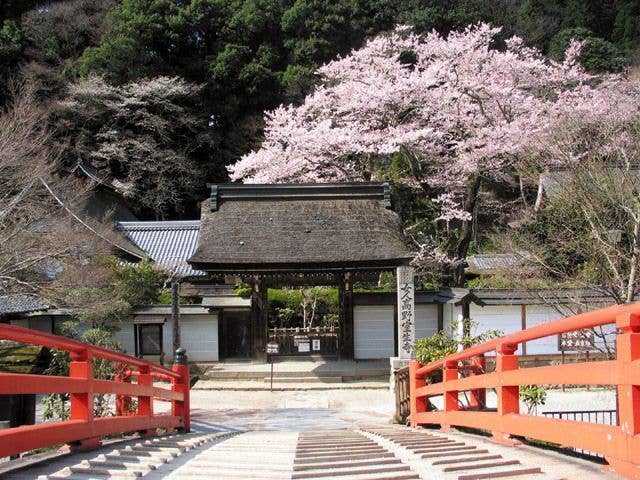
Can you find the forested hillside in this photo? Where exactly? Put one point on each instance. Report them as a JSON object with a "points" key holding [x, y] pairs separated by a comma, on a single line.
{"points": [[462, 105], [183, 85]]}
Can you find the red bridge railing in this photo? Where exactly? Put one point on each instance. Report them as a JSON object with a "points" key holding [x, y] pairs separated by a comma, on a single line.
{"points": [[83, 427], [619, 444]]}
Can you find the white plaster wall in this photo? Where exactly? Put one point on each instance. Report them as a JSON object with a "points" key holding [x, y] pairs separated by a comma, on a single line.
{"points": [[426, 320], [199, 335], [505, 318], [539, 315], [373, 327], [450, 314]]}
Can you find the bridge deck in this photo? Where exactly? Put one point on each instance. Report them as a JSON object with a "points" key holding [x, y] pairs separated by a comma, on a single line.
{"points": [[367, 452]]}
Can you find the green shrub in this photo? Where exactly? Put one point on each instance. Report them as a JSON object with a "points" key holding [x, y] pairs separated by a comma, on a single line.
{"points": [[56, 405], [435, 347], [533, 396]]}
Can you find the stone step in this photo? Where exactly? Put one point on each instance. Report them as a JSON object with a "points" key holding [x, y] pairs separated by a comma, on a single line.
{"points": [[417, 443], [106, 472], [337, 453], [455, 453], [336, 457], [403, 475], [482, 465], [352, 470], [479, 458], [504, 474], [342, 443], [454, 447], [330, 448], [347, 463], [299, 379]]}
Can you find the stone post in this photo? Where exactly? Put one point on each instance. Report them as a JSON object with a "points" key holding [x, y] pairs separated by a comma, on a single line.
{"points": [[406, 313], [406, 320]]}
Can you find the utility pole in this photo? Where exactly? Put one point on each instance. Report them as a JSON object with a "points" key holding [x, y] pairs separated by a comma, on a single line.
{"points": [[175, 313]]}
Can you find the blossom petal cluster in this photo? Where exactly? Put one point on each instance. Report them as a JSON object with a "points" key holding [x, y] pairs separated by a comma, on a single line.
{"points": [[457, 105]]}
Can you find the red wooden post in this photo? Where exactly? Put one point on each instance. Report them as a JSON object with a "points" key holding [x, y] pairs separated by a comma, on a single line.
{"points": [[145, 402], [416, 404], [449, 373], [123, 402], [181, 408], [508, 396], [81, 366], [627, 351]]}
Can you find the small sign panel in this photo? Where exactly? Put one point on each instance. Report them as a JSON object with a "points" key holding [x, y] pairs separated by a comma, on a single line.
{"points": [[273, 348], [578, 341], [299, 338], [316, 344], [303, 345]]}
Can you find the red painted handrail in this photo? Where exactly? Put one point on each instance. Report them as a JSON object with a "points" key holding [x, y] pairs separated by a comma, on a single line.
{"points": [[83, 428], [620, 444]]}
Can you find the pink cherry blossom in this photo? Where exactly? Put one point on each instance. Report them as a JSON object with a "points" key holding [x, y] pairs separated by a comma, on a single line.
{"points": [[457, 107]]}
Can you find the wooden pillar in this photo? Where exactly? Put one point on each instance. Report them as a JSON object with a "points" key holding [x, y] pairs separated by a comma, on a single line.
{"points": [[175, 316], [259, 321], [449, 374], [81, 366], [627, 354], [508, 396], [523, 326], [417, 405], [345, 292]]}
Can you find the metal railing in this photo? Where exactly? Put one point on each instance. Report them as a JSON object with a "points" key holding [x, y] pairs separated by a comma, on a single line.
{"points": [[83, 427], [620, 445], [602, 417]]}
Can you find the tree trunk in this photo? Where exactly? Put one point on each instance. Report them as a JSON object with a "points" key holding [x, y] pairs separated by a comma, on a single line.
{"points": [[461, 248]]}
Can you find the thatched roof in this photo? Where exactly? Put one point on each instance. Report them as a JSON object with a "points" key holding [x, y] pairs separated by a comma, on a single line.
{"points": [[311, 227]]}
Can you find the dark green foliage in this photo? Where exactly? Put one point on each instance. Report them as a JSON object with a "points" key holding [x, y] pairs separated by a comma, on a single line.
{"points": [[626, 29], [441, 15], [538, 21], [252, 55], [11, 42], [597, 55]]}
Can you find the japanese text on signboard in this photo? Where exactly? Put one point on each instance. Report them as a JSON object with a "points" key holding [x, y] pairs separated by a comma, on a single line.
{"points": [[578, 341]]}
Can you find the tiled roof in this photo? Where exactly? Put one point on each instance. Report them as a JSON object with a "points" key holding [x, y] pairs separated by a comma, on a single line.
{"points": [[169, 243], [542, 296], [299, 227], [486, 264], [20, 303]]}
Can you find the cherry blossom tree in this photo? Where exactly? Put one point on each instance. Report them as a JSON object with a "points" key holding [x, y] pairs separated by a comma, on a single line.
{"points": [[458, 111]]}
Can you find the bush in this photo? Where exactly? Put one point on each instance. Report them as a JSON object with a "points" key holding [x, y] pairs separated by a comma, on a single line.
{"points": [[533, 396], [597, 55], [56, 405], [435, 347]]}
